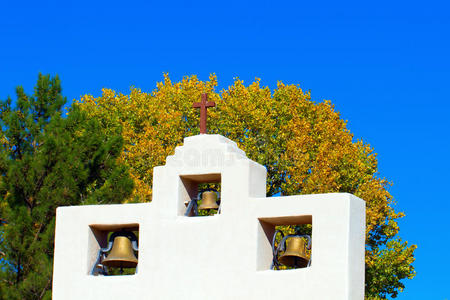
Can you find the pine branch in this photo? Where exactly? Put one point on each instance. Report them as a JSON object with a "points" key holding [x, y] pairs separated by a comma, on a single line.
{"points": [[45, 288]]}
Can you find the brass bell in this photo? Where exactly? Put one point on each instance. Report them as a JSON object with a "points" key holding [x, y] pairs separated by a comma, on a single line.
{"points": [[209, 200], [121, 255], [295, 254]]}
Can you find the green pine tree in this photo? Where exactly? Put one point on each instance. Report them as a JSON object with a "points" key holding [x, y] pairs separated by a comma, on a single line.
{"points": [[47, 160]]}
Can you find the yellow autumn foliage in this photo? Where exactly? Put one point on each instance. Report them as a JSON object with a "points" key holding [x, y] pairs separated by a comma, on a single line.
{"points": [[305, 146]]}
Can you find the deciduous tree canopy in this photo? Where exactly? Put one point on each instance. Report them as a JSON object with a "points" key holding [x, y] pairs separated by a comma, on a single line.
{"points": [[305, 146]]}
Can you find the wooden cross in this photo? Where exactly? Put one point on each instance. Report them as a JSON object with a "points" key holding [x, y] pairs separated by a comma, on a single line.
{"points": [[203, 105]]}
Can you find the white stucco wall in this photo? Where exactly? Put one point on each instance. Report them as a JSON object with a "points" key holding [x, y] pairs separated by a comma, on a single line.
{"points": [[226, 256]]}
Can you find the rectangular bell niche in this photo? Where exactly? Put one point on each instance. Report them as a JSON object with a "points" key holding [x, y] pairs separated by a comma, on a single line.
{"points": [[200, 195], [113, 249], [284, 243]]}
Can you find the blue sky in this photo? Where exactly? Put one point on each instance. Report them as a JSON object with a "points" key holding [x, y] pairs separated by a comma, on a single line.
{"points": [[384, 64]]}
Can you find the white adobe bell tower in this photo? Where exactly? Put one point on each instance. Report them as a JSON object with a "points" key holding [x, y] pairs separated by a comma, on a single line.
{"points": [[227, 255]]}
